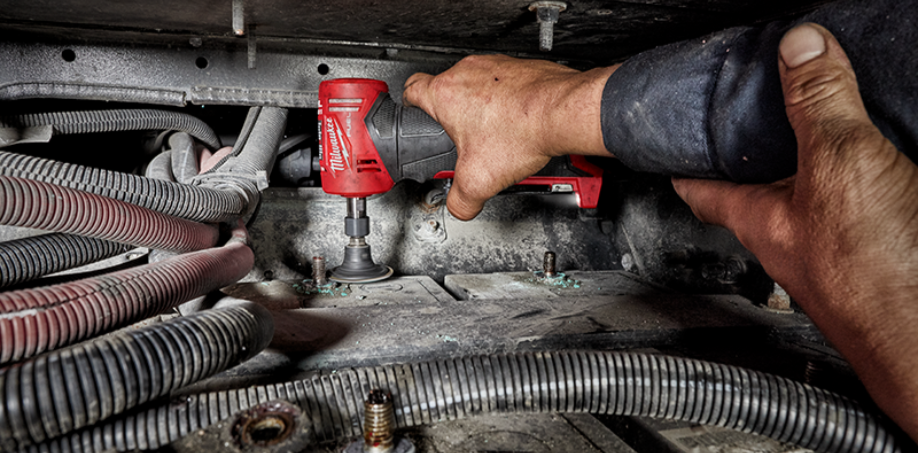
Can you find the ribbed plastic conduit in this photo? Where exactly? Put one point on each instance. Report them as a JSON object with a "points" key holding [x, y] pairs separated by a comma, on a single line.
{"points": [[79, 386], [596, 382], [94, 121], [33, 321], [258, 151], [160, 167], [44, 206], [179, 200], [25, 259]]}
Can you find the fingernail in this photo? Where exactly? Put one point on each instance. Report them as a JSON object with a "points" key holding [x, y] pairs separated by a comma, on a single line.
{"points": [[802, 44]]}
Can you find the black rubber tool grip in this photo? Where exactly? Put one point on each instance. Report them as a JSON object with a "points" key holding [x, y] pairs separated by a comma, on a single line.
{"points": [[411, 144]]}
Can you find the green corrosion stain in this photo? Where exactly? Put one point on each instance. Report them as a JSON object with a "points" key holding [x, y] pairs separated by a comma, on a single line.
{"points": [[332, 289], [561, 281]]}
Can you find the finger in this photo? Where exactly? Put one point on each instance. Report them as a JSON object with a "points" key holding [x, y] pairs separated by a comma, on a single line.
{"points": [[711, 201], [417, 92], [820, 92]]}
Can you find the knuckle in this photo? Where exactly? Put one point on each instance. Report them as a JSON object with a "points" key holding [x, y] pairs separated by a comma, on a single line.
{"points": [[441, 87], [477, 60], [810, 91], [847, 136]]}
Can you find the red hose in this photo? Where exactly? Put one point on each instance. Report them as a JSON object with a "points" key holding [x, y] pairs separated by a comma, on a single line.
{"points": [[44, 206], [33, 321]]}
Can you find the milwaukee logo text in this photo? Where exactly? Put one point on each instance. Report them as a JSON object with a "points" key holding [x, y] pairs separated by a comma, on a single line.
{"points": [[338, 156]]}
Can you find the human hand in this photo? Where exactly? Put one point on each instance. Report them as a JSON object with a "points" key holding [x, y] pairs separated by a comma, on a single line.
{"points": [[508, 117], [842, 235]]}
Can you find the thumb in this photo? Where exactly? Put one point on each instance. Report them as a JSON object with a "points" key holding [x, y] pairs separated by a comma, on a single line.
{"points": [[417, 93], [462, 204], [820, 94]]}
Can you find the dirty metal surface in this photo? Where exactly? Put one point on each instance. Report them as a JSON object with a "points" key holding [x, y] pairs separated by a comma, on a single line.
{"points": [[371, 331], [519, 433], [588, 29], [170, 70], [648, 434], [510, 433], [294, 294], [514, 285], [511, 234], [268, 427]]}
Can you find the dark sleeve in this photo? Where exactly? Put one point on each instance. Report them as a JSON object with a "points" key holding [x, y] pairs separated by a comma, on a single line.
{"points": [[712, 107]]}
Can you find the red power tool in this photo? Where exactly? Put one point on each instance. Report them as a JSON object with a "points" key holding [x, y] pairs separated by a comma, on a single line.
{"points": [[368, 142]]}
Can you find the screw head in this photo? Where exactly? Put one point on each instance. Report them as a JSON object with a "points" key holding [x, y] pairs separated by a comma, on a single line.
{"points": [[547, 4]]}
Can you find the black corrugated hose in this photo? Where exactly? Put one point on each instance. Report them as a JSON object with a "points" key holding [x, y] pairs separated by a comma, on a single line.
{"points": [[94, 121], [596, 382], [200, 204], [247, 171], [160, 167], [22, 260], [184, 159], [72, 388]]}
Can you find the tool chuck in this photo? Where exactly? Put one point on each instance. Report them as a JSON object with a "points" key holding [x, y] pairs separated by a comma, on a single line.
{"points": [[358, 265]]}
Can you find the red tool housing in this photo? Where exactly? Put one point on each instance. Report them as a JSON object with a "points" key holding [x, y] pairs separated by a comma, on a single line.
{"points": [[350, 163]]}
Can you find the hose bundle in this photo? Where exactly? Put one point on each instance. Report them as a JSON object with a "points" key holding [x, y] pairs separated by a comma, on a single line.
{"points": [[199, 204], [595, 382], [44, 206], [76, 387], [247, 168], [33, 321], [22, 260], [94, 121]]}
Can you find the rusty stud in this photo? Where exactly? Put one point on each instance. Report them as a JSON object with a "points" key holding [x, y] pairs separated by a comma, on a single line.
{"points": [[548, 265], [378, 423], [318, 271]]}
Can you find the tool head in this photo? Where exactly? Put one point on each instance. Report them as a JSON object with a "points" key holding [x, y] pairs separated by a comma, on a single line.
{"points": [[358, 267], [350, 162]]}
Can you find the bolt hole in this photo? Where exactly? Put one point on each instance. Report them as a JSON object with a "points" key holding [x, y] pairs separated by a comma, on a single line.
{"points": [[68, 55], [267, 430], [323, 69], [201, 62]]}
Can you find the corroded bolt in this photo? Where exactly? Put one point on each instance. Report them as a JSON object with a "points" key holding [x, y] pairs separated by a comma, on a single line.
{"points": [[318, 271], [547, 13], [548, 265], [378, 423]]}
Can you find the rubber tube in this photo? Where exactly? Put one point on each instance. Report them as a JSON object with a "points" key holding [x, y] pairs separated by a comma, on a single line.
{"points": [[33, 321], [261, 146], [616, 383], [184, 159], [95, 121], [199, 204], [160, 167], [25, 259], [247, 171], [70, 389], [34, 204]]}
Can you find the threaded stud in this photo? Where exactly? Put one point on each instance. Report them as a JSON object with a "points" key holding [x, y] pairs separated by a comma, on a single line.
{"points": [[378, 423], [318, 271]]}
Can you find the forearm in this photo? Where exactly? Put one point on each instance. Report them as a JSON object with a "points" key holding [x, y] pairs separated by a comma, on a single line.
{"points": [[712, 107]]}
